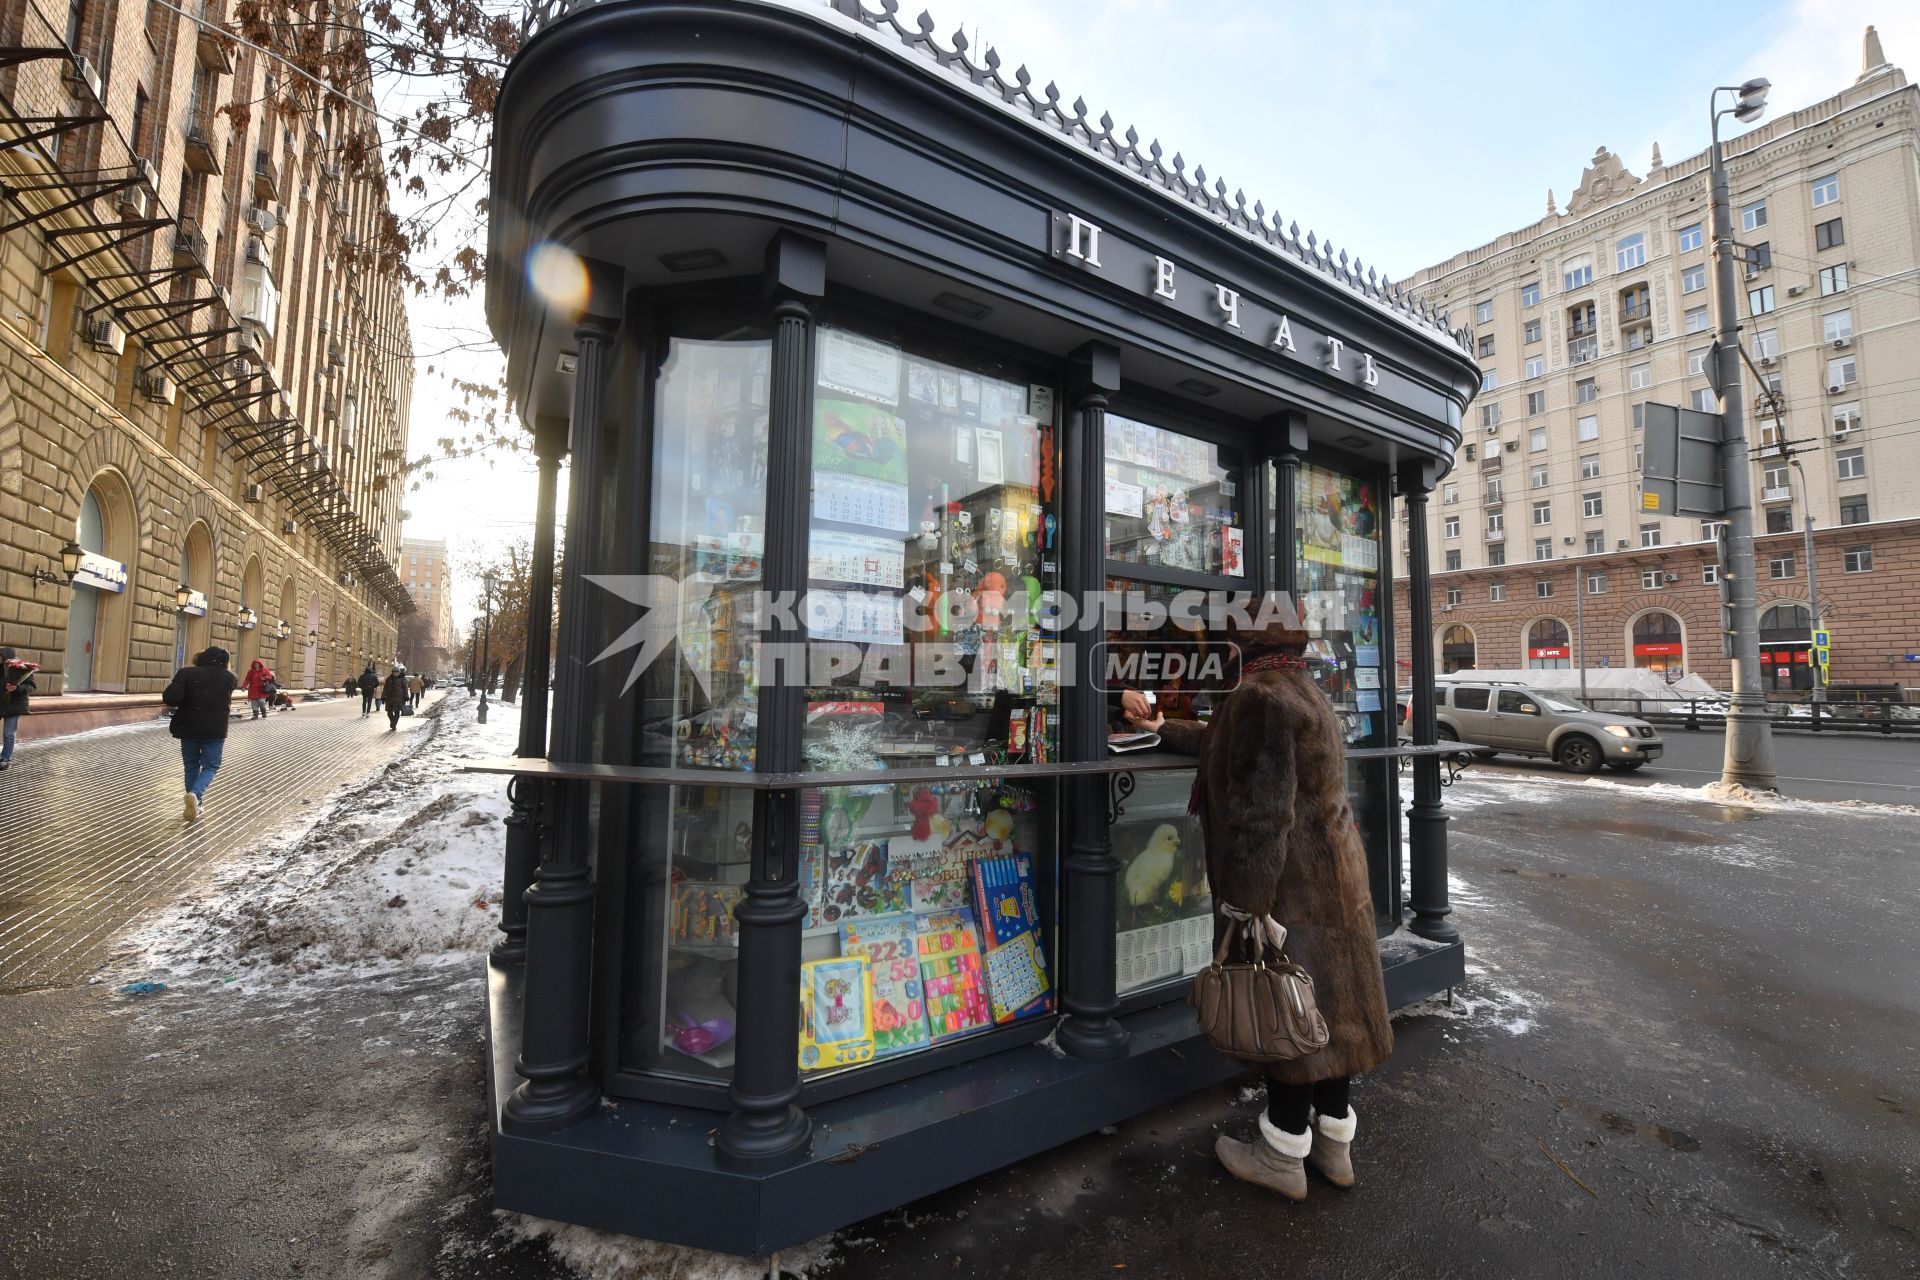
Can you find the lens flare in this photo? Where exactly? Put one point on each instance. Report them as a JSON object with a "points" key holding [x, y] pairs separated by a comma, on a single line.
{"points": [[558, 276]]}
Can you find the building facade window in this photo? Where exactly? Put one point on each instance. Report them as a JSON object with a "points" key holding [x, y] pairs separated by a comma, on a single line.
{"points": [[1780, 520], [1489, 380], [1449, 493], [1753, 216], [1826, 190], [1639, 377], [1780, 567], [1589, 466], [1710, 529], [1846, 419], [1842, 372], [1592, 505], [1829, 235], [1766, 344], [1690, 238], [1696, 320], [1697, 361], [1773, 481], [1537, 440], [1536, 403], [1484, 313], [1577, 273], [1586, 391], [1760, 256], [1703, 400], [1496, 524], [1536, 366], [1858, 559], [1630, 252], [1496, 554], [1530, 294], [1497, 592], [1530, 332], [1453, 562], [1760, 301], [1709, 575], [1693, 279], [1453, 595], [1649, 535], [1596, 542], [1450, 527], [1485, 348], [1539, 477], [1543, 591], [1549, 647], [1833, 279], [1490, 415], [1652, 580], [1837, 326], [1587, 428], [1850, 464], [1853, 510], [1543, 548], [1596, 584], [1543, 511]]}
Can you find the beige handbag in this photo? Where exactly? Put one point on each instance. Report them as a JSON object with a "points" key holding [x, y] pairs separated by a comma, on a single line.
{"points": [[1261, 1009]]}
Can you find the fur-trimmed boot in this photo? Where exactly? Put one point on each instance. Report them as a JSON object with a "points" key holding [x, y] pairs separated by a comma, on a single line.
{"points": [[1332, 1153], [1274, 1160]]}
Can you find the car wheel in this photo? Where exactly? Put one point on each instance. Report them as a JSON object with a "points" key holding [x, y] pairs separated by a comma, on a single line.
{"points": [[1624, 766], [1578, 754], [1446, 734]]}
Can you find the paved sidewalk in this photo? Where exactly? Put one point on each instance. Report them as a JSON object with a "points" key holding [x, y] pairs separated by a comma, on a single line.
{"points": [[91, 833]]}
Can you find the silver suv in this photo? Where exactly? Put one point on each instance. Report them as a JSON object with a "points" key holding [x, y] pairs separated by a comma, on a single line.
{"points": [[1530, 722]]}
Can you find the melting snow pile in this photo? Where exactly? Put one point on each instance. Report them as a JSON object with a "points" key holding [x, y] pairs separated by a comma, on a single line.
{"points": [[605, 1256], [399, 868]]}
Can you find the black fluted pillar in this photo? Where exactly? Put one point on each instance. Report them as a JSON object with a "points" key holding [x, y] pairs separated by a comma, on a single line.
{"points": [[528, 820], [766, 1125], [1426, 818], [555, 1089], [1286, 506], [1089, 870]]}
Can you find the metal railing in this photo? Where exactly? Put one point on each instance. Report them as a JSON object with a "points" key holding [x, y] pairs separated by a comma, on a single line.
{"points": [[1885, 710]]}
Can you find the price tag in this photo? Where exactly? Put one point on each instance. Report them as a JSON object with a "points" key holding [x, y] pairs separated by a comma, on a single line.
{"points": [[978, 757]]}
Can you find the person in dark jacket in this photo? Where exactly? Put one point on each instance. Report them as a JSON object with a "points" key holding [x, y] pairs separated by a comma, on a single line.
{"points": [[16, 682], [201, 696], [369, 685], [393, 695]]}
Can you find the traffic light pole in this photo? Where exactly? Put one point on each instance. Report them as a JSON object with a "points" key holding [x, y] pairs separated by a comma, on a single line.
{"points": [[1749, 752]]}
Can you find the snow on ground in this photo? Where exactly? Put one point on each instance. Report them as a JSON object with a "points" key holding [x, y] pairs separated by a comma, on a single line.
{"points": [[605, 1256], [398, 868]]}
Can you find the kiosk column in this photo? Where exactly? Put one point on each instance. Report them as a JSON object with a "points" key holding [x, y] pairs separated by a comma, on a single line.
{"points": [[765, 1124], [1089, 869], [1426, 819]]}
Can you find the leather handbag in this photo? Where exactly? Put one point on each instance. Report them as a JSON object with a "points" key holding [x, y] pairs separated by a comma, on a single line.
{"points": [[1262, 1008]]}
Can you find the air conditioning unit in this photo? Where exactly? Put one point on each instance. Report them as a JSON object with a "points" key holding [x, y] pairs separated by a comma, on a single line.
{"points": [[336, 355], [1446, 608], [289, 527], [157, 386], [1835, 389], [104, 335], [1625, 543], [1513, 446], [1470, 452], [329, 407], [1493, 429], [1795, 290], [1753, 272], [261, 220], [1767, 362], [1568, 540], [257, 250], [132, 202], [1841, 344], [256, 493], [83, 79], [1673, 577]]}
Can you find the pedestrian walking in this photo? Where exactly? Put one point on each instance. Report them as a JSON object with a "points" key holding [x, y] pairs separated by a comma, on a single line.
{"points": [[260, 686], [369, 685], [393, 695], [16, 682], [201, 696], [416, 690], [1270, 791]]}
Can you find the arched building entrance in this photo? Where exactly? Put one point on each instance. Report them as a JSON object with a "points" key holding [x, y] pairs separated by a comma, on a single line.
{"points": [[99, 614], [1658, 642], [247, 615], [295, 637], [192, 627], [1456, 648], [1549, 645], [1786, 643]]}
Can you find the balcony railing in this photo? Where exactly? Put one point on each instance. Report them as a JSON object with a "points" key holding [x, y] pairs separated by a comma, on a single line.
{"points": [[1496, 535], [1777, 493], [266, 178], [1583, 350]]}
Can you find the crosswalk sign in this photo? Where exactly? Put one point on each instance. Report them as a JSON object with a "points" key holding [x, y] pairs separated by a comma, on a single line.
{"points": [[1822, 649]]}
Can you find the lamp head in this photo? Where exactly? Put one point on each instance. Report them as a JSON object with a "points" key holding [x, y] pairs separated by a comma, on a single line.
{"points": [[70, 557], [1753, 100], [182, 597]]}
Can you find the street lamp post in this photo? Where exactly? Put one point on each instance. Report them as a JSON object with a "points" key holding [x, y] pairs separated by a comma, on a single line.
{"points": [[1813, 588], [487, 583], [1749, 750], [1580, 624]]}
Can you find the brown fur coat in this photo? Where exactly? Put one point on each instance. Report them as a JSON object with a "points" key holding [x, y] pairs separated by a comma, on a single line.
{"points": [[1280, 836]]}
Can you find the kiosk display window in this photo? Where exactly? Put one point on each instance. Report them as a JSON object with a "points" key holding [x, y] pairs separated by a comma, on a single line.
{"points": [[1172, 501]]}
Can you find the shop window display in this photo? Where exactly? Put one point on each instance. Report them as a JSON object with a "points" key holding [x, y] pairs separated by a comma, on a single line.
{"points": [[1172, 501]]}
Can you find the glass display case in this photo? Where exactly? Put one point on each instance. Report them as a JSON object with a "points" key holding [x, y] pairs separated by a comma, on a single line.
{"points": [[1172, 500]]}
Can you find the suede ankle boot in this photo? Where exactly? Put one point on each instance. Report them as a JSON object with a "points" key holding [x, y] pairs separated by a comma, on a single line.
{"points": [[1332, 1153], [1273, 1160]]}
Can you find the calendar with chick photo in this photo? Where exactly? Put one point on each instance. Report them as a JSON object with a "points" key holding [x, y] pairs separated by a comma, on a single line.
{"points": [[1163, 874]]}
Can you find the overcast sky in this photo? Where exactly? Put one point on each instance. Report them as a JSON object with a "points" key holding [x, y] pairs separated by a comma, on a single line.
{"points": [[1405, 132]]}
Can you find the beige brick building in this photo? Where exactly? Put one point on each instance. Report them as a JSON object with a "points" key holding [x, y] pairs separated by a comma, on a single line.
{"points": [[428, 577], [202, 370], [1588, 314]]}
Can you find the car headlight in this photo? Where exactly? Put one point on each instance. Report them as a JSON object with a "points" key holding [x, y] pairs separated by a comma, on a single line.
{"points": [[1619, 731]]}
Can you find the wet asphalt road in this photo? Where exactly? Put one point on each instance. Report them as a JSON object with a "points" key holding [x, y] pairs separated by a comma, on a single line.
{"points": [[1826, 766], [1690, 1046]]}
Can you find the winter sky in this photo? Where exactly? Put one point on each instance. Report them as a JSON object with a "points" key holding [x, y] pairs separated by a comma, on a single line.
{"points": [[1405, 132]]}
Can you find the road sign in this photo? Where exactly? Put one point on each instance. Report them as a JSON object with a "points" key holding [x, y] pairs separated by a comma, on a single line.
{"points": [[1822, 650], [1822, 638], [1680, 462]]}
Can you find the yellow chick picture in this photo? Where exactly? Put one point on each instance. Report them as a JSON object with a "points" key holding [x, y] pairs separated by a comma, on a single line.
{"points": [[1151, 868]]}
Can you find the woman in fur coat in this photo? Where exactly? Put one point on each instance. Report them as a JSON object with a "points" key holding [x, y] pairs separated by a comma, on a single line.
{"points": [[1270, 789]]}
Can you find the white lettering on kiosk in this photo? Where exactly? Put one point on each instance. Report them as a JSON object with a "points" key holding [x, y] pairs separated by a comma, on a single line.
{"points": [[1369, 375], [1283, 336], [1334, 348], [1079, 229], [1162, 278], [1229, 302]]}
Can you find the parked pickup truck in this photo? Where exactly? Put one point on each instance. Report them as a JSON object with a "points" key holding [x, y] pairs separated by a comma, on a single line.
{"points": [[1530, 722]]}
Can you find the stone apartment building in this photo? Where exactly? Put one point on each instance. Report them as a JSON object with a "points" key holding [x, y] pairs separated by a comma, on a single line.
{"points": [[1588, 314], [428, 577], [202, 372]]}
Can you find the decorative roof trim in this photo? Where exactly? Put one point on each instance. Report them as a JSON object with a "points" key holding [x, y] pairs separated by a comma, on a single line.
{"points": [[1121, 150]]}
